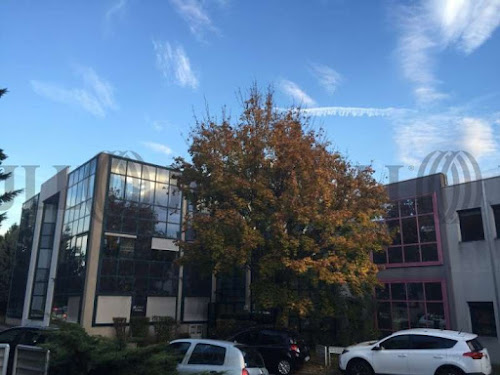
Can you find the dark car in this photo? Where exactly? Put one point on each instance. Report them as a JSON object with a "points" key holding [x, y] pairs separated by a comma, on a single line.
{"points": [[283, 351], [15, 336]]}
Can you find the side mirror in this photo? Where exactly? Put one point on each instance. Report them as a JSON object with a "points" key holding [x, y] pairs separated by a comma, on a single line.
{"points": [[377, 348]]}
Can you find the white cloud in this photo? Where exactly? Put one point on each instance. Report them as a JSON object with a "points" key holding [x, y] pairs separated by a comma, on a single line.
{"points": [[416, 136], [117, 8], [354, 111], [96, 96], [195, 15], [326, 76], [158, 147], [174, 64], [467, 23], [296, 93], [431, 26], [477, 137]]}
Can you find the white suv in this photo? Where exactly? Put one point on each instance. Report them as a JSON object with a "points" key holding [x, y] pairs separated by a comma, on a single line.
{"points": [[418, 351]]}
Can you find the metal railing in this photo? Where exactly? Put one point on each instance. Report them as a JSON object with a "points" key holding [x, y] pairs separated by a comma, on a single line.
{"points": [[4, 358], [30, 360]]}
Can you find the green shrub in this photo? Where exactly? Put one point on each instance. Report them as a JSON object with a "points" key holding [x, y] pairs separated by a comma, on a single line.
{"points": [[139, 327], [165, 328], [74, 352]]}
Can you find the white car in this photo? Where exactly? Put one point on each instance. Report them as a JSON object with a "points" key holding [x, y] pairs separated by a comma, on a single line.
{"points": [[197, 356], [418, 351]]}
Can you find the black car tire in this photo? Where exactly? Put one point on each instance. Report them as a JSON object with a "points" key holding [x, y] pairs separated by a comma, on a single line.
{"points": [[359, 367], [284, 367], [449, 371]]}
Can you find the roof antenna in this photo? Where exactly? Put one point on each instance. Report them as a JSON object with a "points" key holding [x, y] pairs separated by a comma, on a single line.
{"points": [[459, 332]]}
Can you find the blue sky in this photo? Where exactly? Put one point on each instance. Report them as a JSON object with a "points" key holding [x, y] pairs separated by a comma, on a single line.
{"points": [[389, 81]]}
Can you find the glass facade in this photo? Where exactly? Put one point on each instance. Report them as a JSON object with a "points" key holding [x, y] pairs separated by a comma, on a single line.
{"points": [[73, 250], [22, 258], [143, 199], [143, 202], [44, 258], [403, 305], [412, 223]]}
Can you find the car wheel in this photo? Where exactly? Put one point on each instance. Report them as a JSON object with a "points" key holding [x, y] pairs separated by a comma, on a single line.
{"points": [[284, 367], [449, 371], [359, 367]]}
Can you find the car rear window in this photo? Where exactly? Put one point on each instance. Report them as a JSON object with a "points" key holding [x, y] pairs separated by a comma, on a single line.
{"points": [[252, 357], [474, 345], [206, 354]]}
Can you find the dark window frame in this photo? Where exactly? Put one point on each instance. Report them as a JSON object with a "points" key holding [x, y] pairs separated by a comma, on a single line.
{"points": [[465, 234], [490, 331]]}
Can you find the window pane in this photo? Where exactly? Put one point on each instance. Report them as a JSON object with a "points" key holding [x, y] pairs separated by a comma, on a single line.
{"points": [[496, 214], [433, 292], [379, 257], [161, 194], [44, 258], [482, 315], [160, 213], [394, 231], [412, 254], [173, 230], [417, 313], [116, 186], [134, 169], [204, 354], [118, 166], [397, 343], [471, 225], [162, 175], [430, 342], [148, 172], [133, 189], [429, 253], [161, 229], [127, 246], [435, 316], [398, 291], [427, 228], [384, 319], [400, 316], [147, 191], [395, 254], [174, 215], [382, 292], [392, 210], [409, 227], [408, 207], [415, 291], [174, 197], [424, 205]]}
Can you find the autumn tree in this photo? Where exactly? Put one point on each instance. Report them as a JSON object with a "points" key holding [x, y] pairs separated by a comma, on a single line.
{"points": [[272, 195]]}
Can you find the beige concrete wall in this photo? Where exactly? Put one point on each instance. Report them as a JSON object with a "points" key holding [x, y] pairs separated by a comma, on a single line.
{"points": [[94, 248]]}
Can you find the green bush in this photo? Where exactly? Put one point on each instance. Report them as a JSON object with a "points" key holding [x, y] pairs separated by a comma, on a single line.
{"points": [[73, 351], [139, 327], [165, 328]]}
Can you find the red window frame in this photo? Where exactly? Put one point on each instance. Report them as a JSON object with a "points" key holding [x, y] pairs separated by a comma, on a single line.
{"points": [[399, 218]]}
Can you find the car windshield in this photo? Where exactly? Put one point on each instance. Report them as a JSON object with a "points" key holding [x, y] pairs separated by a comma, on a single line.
{"points": [[252, 357]]}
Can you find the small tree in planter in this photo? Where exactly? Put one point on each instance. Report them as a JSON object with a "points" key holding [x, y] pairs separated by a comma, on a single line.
{"points": [[165, 328], [139, 329], [120, 325]]}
